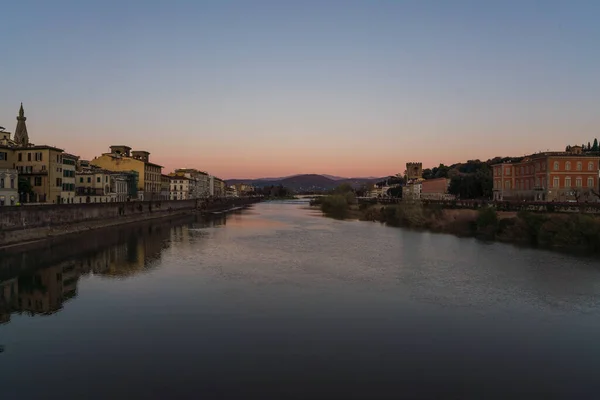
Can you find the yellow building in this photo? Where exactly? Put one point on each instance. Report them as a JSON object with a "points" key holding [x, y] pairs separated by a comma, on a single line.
{"points": [[42, 166], [121, 158]]}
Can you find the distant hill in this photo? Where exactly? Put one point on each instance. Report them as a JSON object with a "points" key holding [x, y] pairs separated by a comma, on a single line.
{"points": [[306, 182]]}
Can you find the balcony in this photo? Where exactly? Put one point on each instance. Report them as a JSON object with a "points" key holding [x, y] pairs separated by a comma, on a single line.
{"points": [[29, 170]]}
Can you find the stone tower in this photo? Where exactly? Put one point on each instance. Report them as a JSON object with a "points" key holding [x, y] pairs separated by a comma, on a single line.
{"points": [[21, 137], [414, 170]]}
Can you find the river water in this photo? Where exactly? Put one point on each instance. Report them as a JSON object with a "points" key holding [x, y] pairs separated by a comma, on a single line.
{"points": [[279, 302]]}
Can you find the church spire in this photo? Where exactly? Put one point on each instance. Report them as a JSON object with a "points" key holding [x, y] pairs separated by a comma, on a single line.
{"points": [[21, 137]]}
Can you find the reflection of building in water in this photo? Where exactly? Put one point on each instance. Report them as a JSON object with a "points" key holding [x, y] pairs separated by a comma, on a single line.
{"points": [[187, 234], [40, 289], [9, 296], [44, 291]]}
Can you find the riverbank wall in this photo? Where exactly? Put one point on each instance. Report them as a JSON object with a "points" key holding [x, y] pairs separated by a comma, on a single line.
{"points": [[39, 222]]}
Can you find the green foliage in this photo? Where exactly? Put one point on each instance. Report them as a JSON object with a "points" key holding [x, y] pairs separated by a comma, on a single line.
{"points": [[395, 192], [441, 171], [476, 185], [595, 145], [487, 217], [533, 223], [274, 191], [335, 206], [344, 188], [24, 186]]}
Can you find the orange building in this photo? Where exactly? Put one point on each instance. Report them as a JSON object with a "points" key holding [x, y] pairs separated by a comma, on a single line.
{"points": [[435, 189], [551, 176]]}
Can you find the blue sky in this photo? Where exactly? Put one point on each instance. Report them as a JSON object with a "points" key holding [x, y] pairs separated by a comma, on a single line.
{"points": [[256, 88]]}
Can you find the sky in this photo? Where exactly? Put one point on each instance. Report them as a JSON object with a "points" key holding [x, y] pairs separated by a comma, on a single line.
{"points": [[247, 89]]}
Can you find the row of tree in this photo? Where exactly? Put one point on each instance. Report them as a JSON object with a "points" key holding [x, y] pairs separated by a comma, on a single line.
{"points": [[589, 148], [274, 191]]}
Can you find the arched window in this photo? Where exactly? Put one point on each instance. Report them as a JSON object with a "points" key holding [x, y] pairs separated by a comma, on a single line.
{"points": [[590, 182], [579, 182], [568, 182], [556, 165], [579, 166], [568, 166], [591, 166]]}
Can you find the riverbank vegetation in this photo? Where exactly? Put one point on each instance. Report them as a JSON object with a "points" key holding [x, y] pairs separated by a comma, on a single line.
{"points": [[339, 204], [577, 232]]}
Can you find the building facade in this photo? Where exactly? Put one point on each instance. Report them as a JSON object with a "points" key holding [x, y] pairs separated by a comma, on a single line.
{"points": [[93, 186], [122, 159], [165, 187], [68, 185], [219, 187], [180, 188], [42, 167], [551, 176], [9, 186], [412, 191], [435, 189], [414, 170]]}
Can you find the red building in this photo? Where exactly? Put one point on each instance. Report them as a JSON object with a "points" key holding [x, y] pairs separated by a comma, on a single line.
{"points": [[552, 176]]}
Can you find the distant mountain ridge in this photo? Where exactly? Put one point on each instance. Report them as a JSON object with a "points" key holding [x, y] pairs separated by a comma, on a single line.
{"points": [[305, 182]]}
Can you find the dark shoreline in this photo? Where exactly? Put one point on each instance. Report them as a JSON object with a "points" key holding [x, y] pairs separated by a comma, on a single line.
{"points": [[574, 234]]}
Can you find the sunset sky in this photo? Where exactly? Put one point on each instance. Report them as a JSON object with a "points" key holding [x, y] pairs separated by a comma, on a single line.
{"points": [[248, 89]]}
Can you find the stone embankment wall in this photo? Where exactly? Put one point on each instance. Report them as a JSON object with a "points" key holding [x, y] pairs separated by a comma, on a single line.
{"points": [[26, 217], [28, 223]]}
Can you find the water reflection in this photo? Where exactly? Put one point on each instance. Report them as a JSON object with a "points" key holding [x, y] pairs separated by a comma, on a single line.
{"points": [[40, 281]]}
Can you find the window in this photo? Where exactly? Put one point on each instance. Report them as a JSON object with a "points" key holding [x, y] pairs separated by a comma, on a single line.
{"points": [[568, 182], [89, 180], [579, 182], [80, 180], [537, 182], [1, 183], [568, 166], [97, 179], [556, 165], [556, 182], [591, 166], [20, 156], [12, 183], [507, 172], [58, 182], [3, 156], [507, 185], [28, 156], [37, 181], [591, 182], [522, 170], [579, 166]]}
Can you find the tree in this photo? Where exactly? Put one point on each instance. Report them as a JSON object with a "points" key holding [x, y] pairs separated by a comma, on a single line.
{"points": [[589, 146], [344, 188], [25, 188], [427, 173], [595, 145]]}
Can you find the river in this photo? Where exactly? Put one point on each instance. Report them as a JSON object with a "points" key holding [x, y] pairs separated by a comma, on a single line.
{"points": [[278, 302]]}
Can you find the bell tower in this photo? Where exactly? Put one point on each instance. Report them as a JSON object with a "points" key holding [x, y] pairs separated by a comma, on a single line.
{"points": [[21, 137]]}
